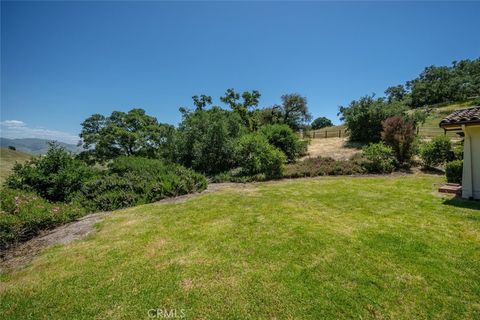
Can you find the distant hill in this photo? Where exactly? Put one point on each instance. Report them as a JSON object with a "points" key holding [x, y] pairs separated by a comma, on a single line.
{"points": [[34, 146], [7, 161]]}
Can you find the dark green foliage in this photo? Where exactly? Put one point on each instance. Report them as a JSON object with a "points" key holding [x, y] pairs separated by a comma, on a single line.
{"points": [[436, 152], [400, 136], [294, 111], [364, 117], [24, 214], [458, 151], [446, 84], [12, 148], [454, 171], [282, 137], [131, 133], [321, 166], [257, 156], [202, 101], [266, 116], [396, 93], [243, 108], [321, 122], [206, 140], [131, 181], [55, 176], [378, 158]]}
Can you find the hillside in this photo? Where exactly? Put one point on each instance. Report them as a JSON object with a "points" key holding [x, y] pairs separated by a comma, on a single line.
{"points": [[431, 128], [8, 158], [34, 145]]}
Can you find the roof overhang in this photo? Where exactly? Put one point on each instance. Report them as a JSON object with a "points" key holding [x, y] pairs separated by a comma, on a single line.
{"points": [[458, 125]]}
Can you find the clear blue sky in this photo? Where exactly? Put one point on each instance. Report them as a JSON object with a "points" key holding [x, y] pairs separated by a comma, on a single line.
{"points": [[63, 61]]}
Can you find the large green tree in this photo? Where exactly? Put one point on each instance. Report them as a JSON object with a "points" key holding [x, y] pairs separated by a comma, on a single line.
{"points": [[294, 111], [206, 139], [126, 133], [245, 106], [434, 85], [364, 117], [321, 122]]}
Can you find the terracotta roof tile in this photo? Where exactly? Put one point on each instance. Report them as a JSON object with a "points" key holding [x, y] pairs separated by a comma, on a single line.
{"points": [[462, 116]]}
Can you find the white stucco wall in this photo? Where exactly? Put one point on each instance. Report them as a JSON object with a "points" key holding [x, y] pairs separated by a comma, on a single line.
{"points": [[471, 162]]}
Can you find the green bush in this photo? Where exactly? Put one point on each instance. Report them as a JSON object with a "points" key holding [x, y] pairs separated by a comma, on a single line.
{"points": [[378, 158], [436, 152], [55, 176], [257, 156], [458, 151], [364, 117], [24, 214], [321, 166], [454, 170], [131, 181], [282, 137], [206, 140]]}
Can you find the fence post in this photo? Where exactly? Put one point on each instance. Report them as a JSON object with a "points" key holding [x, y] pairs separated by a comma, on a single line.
{"points": [[326, 133], [339, 133]]}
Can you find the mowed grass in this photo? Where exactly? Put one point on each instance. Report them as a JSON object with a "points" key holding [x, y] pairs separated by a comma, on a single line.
{"points": [[336, 248], [8, 158]]}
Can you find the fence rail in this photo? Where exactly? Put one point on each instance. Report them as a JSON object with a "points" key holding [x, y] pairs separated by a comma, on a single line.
{"points": [[336, 133], [426, 132]]}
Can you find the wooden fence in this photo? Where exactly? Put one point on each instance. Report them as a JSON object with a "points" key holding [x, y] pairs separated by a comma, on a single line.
{"points": [[423, 132], [334, 133]]}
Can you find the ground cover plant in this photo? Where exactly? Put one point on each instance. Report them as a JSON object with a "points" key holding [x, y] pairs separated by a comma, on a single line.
{"points": [[24, 214], [389, 248], [323, 166], [130, 181]]}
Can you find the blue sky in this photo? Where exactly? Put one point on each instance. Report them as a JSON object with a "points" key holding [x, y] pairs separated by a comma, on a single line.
{"points": [[63, 61]]}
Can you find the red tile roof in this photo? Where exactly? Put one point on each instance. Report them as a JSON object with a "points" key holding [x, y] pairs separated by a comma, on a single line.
{"points": [[462, 116]]}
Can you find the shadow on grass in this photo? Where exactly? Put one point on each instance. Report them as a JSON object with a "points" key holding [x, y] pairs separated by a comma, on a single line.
{"points": [[432, 171], [462, 203], [353, 144]]}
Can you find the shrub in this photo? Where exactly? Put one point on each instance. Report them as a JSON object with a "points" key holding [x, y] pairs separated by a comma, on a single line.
{"points": [[458, 151], [454, 171], [436, 152], [55, 176], [131, 181], [206, 140], [256, 156], [322, 166], [24, 214], [399, 135], [364, 117], [378, 158], [282, 137]]}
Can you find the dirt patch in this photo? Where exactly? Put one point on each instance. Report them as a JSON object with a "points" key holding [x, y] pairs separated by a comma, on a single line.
{"points": [[22, 254], [336, 148]]}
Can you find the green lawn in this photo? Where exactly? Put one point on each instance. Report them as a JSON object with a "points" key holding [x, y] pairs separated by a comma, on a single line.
{"points": [[363, 248]]}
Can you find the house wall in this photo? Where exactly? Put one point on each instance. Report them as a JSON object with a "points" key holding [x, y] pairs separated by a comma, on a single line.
{"points": [[471, 162]]}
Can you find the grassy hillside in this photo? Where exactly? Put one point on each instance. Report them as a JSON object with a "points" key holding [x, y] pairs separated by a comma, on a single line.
{"points": [[7, 161], [329, 248], [431, 128]]}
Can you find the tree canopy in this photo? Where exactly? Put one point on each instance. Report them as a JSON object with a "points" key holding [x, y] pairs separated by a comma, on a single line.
{"points": [[321, 122], [125, 133]]}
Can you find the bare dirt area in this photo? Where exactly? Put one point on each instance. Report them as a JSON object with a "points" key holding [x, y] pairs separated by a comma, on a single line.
{"points": [[22, 254], [336, 148]]}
